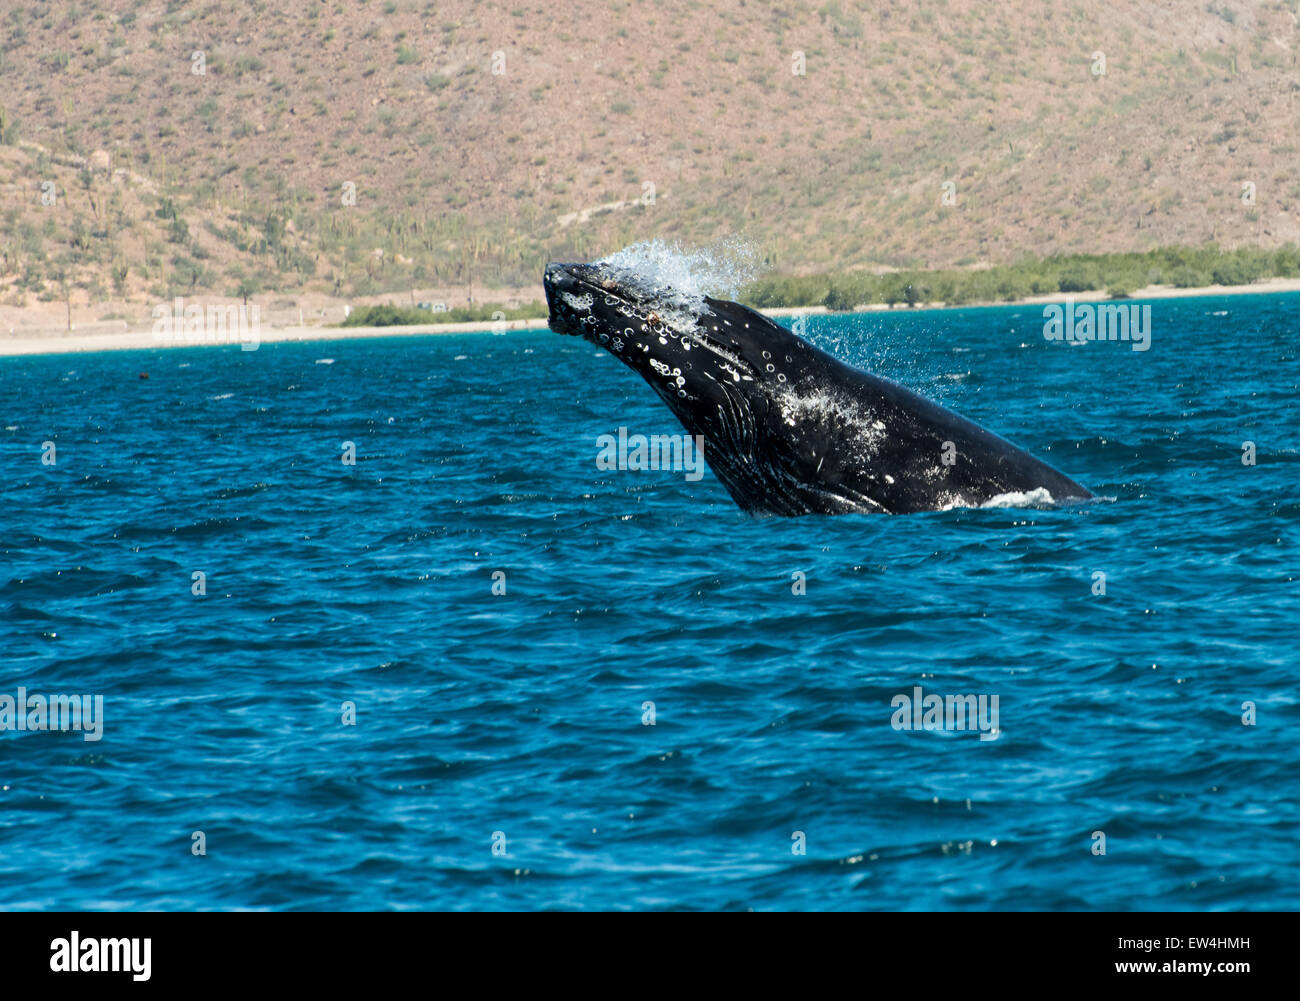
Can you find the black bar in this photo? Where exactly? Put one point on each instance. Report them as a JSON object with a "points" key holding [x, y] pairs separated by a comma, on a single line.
{"points": [[215, 950]]}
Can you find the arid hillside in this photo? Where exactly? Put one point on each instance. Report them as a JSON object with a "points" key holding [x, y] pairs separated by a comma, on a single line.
{"points": [[347, 148]]}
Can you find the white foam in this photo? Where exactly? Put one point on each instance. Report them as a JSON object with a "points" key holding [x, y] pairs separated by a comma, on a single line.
{"points": [[719, 270], [672, 281], [1020, 498]]}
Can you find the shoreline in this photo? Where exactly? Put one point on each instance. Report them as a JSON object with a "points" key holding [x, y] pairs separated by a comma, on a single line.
{"points": [[142, 339]]}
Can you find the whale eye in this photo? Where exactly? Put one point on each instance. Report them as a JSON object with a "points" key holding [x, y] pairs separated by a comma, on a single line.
{"points": [[608, 284], [652, 318]]}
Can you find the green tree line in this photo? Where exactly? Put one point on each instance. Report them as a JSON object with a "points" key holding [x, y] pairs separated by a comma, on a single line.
{"points": [[1118, 275]]}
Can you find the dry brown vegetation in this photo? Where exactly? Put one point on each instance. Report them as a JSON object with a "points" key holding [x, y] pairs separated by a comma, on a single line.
{"points": [[232, 181]]}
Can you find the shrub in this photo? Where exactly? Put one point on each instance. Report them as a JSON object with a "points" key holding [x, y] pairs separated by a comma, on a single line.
{"points": [[1286, 262], [1188, 277], [1234, 271], [837, 301], [1076, 278]]}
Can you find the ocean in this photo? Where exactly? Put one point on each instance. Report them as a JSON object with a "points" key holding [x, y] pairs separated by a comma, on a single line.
{"points": [[472, 670]]}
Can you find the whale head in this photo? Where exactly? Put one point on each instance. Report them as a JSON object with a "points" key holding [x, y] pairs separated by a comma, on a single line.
{"points": [[695, 351], [726, 372]]}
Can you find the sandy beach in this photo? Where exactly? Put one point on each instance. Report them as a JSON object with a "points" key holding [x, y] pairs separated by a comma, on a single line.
{"points": [[38, 337]]}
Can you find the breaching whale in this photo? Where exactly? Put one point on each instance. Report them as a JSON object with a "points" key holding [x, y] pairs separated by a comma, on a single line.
{"points": [[788, 428]]}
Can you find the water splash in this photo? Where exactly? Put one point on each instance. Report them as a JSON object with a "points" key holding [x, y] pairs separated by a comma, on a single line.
{"points": [[719, 270]]}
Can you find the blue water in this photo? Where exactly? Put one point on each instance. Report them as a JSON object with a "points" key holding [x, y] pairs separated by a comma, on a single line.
{"points": [[523, 713]]}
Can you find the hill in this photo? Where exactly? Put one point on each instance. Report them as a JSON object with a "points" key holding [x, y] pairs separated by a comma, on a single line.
{"points": [[344, 149]]}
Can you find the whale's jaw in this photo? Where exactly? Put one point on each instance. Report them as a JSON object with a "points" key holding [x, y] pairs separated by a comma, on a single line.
{"points": [[564, 291]]}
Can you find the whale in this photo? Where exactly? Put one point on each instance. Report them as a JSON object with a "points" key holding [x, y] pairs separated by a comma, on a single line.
{"points": [[789, 429]]}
